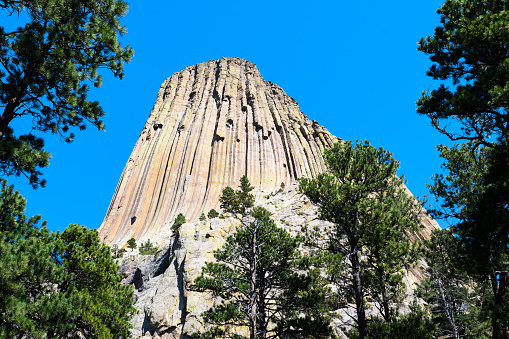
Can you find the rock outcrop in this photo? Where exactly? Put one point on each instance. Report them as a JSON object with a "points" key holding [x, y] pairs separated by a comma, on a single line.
{"points": [[211, 124]]}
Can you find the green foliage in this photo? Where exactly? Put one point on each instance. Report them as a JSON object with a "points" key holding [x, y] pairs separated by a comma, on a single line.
{"points": [[466, 50], [229, 200], [203, 217], [57, 284], [212, 214], [475, 195], [106, 305], [453, 297], [237, 201], [415, 325], [179, 221], [148, 248], [373, 218], [44, 69], [262, 280], [120, 253], [131, 243]]}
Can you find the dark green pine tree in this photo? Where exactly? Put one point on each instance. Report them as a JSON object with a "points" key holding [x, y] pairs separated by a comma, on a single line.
{"points": [[368, 247], [30, 306], [212, 214], [263, 281], [229, 200], [179, 221], [415, 325], [131, 243], [467, 52], [46, 66], [455, 300], [56, 285], [393, 217], [244, 196], [239, 201], [471, 58], [475, 197], [105, 304], [147, 248]]}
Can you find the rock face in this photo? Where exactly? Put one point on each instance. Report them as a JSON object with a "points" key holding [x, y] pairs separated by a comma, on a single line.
{"points": [[211, 124]]}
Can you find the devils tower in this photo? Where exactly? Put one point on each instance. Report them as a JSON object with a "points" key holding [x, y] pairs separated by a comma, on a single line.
{"points": [[211, 124]]}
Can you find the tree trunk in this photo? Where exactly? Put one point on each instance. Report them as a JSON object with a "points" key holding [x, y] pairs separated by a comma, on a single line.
{"points": [[499, 287], [6, 118], [359, 294], [387, 311], [356, 275], [13, 103], [252, 291], [447, 307]]}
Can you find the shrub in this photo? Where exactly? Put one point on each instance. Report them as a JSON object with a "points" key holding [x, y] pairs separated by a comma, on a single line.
{"points": [[131, 243], [148, 248], [179, 221], [213, 214]]}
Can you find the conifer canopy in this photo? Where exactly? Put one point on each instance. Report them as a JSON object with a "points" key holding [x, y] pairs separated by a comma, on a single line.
{"points": [[46, 67]]}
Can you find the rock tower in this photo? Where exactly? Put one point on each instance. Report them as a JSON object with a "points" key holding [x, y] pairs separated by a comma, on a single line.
{"points": [[211, 124]]}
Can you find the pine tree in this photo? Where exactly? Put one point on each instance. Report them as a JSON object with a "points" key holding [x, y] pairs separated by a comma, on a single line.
{"points": [[105, 304], [57, 284], [237, 201], [45, 68], [368, 247], [212, 214], [229, 200], [131, 243], [471, 59], [147, 248], [29, 306], [179, 221], [453, 297], [257, 278], [467, 52], [475, 197], [414, 325]]}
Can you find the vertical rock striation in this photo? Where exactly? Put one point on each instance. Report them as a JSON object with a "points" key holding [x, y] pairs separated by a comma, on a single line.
{"points": [[211, 124]]}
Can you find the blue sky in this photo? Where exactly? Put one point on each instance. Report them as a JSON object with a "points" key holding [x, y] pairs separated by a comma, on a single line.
{"points": [[352, 66]]}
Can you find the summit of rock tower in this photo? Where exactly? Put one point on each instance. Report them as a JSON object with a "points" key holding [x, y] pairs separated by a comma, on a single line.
{"points": [[211, 123]]}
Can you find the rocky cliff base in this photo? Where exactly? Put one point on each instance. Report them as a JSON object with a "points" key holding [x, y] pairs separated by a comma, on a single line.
{"points": [[168, 309]]}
